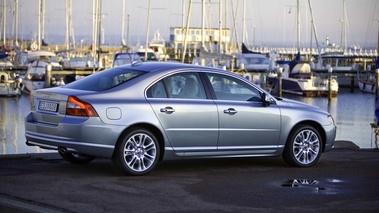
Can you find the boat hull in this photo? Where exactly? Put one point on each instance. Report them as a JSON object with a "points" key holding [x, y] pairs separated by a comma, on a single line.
{"points": [[368, 87], [9, 86], [307, 87], [30, 85]]}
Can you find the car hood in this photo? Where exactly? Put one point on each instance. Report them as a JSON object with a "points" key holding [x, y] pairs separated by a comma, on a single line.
{"points": [[298, 104]]}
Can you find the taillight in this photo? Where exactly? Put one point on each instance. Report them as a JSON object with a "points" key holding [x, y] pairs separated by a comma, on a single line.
{"points": [[77, 107], [31, 100]]}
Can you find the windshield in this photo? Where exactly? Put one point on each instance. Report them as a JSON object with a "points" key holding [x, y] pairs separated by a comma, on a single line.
{"points": [[105, 79]]}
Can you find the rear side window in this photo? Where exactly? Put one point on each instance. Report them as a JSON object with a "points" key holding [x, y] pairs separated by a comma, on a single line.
{"points": [[182, 85], [105, 79]]}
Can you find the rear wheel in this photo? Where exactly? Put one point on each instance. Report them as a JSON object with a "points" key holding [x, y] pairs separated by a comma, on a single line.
{"points": [[303, 147], [75, 158], [137, 153]]}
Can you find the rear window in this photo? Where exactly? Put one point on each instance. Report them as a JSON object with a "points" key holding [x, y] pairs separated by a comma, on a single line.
{"points": [[105, 79]]}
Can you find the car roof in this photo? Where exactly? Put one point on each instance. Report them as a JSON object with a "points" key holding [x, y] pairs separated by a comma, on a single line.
{"points": [[157, 66]]}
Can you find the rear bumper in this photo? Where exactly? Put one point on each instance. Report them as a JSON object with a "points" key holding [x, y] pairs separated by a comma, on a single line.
{"points": [[88, 136]]}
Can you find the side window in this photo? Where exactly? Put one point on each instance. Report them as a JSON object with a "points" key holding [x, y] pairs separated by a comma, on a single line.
{"points": [[157, 91], [229, 88], [182, 85]]}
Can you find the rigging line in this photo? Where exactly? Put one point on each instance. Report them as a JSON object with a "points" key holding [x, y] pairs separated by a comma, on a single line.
{"points": [[370, 29], [235, 24], [314, 26]]}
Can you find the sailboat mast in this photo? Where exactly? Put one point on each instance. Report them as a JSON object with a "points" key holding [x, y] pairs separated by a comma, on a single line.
{"points": [[203, 24], [147, 30], [123, 23], [220, 26], [186, 31], [344, 26], [67, 26], [16, 20], [298, 25], [4, 21], [39, 23], [314, 26], [244, 21], [226, 23], [43, 11], [127, 31]]}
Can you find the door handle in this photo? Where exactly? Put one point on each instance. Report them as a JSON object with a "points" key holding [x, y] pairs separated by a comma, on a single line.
{"points": [[167, 110], [230, 111]]}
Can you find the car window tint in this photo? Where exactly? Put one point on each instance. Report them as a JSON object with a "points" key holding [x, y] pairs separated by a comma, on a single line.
{"points": [[105, 80], [229, 88], [182, 85], [157, 91]]}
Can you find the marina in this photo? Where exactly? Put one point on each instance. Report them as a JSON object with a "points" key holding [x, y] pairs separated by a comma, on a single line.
{"points": [[353, 113], [347, 71]]}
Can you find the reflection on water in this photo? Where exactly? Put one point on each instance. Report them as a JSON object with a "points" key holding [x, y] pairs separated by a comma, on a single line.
{"points": [[353, 112], [12, 114]]}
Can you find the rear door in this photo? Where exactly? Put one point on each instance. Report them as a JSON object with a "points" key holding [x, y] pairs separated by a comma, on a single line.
{"points": [[189, 119]]}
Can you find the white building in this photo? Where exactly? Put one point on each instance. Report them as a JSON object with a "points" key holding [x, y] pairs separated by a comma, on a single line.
{"points": [[195, 38]]}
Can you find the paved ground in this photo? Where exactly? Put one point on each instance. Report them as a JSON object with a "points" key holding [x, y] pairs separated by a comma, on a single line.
{"points": [[345, 180]]}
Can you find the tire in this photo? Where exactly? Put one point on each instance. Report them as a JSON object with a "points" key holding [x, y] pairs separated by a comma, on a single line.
{"points": [[137, 153], [303, 147], [75, 158]]}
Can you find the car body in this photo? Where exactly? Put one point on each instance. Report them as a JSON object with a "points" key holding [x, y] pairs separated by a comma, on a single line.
{"points": [[142, 113]]}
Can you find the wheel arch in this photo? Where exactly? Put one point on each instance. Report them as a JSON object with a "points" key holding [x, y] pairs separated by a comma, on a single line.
{"points": [[315, 125], [157, 133]]}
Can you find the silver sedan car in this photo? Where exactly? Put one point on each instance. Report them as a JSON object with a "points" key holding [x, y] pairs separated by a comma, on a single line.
{"points": [[140, 114]]}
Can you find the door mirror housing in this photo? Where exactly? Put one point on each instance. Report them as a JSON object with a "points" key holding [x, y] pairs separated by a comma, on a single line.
{"points": [[266, 100]]}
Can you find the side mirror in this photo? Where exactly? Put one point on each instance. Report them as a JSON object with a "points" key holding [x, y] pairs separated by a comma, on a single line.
{"points": [[266, 100]]}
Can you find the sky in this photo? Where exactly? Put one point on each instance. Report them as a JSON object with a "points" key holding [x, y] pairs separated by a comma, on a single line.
{"points": [[268, 22]]}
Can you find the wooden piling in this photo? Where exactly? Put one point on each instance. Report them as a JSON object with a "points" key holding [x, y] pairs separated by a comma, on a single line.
{"points": [[48, 76], [330, 71], [280, 82]]}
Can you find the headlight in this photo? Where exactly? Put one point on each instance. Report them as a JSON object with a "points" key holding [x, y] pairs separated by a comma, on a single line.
{"points": [[330, 119]]}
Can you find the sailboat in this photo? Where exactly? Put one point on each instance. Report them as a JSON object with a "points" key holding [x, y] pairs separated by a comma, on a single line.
{"points": [[367, 81], [298, 79], [10, 82], [36, 73]]}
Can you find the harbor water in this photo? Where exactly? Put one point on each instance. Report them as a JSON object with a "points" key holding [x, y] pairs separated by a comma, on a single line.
{"points": [[353, 112]]}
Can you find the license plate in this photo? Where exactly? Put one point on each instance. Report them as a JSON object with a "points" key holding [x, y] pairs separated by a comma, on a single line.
{"points": [[48, 106]]}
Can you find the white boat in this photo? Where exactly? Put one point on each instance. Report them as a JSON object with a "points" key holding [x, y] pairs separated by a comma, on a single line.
{"points": [[366, 81], [10, 83], [125, 58], [81, 62], [158, 45], [298, 79], [149, 53], [217, 60], [252, 62], [36, 73]]}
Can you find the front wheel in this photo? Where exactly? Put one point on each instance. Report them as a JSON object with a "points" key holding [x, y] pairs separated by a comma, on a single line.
{"points": [[303, 147], [137, 153]]}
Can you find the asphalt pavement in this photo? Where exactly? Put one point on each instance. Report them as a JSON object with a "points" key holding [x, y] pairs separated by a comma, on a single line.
{"points": [[346, 179]]}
